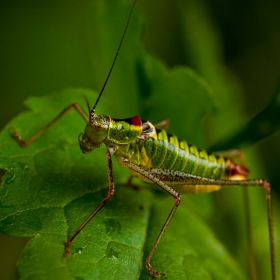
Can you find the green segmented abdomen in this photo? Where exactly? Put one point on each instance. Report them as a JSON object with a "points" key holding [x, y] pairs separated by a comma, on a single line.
{"points": [[168, 152]]}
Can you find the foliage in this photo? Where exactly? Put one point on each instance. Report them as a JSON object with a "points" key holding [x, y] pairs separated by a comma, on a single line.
{"points": [[50, 187]]}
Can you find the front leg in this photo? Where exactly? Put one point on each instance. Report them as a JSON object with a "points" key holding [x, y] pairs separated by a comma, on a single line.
{"points": [[111, 190]]}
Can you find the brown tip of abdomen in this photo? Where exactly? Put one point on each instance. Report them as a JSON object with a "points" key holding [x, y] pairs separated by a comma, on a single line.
{"points": [[237, 169]]}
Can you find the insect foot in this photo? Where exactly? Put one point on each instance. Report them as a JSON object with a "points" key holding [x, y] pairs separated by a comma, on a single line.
{"points": [[154, 272], [67, 251], [17, 137]]}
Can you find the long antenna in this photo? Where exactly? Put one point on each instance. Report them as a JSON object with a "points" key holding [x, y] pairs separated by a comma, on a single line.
{"points": [[112, 66]]}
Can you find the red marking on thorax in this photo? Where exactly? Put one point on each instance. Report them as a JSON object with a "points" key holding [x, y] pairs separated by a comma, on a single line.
{"points": [[136, 120]]}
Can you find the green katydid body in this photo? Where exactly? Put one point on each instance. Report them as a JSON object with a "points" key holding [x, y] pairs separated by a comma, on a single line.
{"points": [[141, 143], [156, 156]]}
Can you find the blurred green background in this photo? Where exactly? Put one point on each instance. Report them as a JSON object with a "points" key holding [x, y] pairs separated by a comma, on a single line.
{"points": [[45, 48]]}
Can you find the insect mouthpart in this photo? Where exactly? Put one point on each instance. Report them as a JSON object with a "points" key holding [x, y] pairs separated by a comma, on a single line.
{"points": [[86, 143]]}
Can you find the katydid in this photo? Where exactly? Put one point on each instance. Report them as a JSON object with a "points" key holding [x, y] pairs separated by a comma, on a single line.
{"points": [[158, 157]]}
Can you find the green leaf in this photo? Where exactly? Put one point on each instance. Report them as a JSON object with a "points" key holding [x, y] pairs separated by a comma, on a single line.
{"points": [[50, 187], [166, 88], [261, 126]]}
